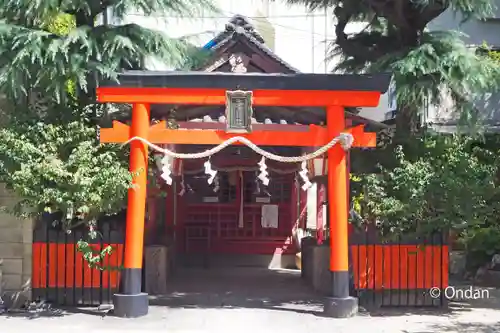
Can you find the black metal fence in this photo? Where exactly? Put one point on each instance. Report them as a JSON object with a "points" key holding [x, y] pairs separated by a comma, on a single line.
{"points": [[60, 275], [402, 273]]}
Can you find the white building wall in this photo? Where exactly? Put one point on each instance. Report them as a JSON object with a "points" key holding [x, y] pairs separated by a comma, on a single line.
{"points": [[474, 33], [384, 110]]}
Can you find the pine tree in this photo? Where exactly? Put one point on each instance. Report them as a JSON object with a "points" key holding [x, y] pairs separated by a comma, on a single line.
{"points": [[423, 183], [33, 57], [426, 65]]}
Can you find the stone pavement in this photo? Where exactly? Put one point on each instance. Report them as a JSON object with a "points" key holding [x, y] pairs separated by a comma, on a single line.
{"points": [[209, 302], [221, 320]]}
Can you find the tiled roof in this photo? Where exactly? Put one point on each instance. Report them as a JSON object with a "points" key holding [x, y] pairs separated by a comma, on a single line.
{"points": [[222, 119], [371, 124]]}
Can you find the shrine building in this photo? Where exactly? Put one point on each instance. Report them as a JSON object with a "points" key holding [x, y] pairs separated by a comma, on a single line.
{"points": [[248, 157]]}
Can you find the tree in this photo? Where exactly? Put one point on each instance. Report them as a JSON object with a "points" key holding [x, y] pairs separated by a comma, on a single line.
{"points": [[424, 183], [451, 184], [52, 55], [426, 66], [493, 54], [35, 58]]}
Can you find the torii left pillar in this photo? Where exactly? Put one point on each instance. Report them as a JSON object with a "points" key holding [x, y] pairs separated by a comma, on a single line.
{"points": [[131, 301]]}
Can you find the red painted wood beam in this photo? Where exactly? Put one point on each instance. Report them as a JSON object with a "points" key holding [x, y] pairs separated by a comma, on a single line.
{"points": [[364, 139], [198, 96], [315, 136]]}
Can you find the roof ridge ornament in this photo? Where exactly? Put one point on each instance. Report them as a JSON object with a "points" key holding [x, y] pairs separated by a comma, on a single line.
{"points": [[241, 24]]}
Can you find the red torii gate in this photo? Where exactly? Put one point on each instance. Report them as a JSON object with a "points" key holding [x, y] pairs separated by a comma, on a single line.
{"points": [[334, 92]]}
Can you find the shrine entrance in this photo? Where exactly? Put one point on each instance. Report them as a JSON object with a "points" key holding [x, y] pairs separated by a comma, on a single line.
{"points": [[235, 138], [240, 287], [224, 223], [332, 93]]}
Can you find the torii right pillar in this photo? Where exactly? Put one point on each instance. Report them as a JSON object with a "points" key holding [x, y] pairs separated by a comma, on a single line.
{"points": [[340, 304]]}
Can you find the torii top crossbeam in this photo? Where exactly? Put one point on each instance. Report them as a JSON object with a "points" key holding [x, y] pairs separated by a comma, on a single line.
{"points": [[208, 88], [334, 92], [268, 89]]}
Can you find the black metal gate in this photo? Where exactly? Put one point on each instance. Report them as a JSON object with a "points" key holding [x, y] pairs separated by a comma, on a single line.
{"points": [[61, 276], [401, 273]]}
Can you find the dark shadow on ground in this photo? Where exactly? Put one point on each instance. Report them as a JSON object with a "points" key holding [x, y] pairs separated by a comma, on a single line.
{"points": [[479, 298], [46, 310], [282, 290], [34, 314], [409, 311], [279, 290], [91, 311], [482, 298], [462, 328]]}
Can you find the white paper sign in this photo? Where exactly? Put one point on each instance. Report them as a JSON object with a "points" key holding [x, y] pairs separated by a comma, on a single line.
{"points": [[210, 199]]}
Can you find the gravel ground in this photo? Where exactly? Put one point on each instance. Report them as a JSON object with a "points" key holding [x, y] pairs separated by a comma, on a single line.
{"points": [[265, 302]]}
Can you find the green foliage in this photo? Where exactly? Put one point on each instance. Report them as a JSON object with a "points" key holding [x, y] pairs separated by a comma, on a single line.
{"points": [[446, 184], [427, 66], [468, 8], [433, 183], [35, 58], [493, 54], [195, 58], [60, 24], [52, 55], [56, 165], [61, 167], [481, 243], [440, 67], [450, 184], [94, 257]]}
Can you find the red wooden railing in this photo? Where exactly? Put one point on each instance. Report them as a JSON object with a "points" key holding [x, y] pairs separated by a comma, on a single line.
{"points": [[214, 228]]}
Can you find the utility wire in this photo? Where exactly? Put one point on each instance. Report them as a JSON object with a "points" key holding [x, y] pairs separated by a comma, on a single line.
{"points": [[231, 15], [326, 38]]}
